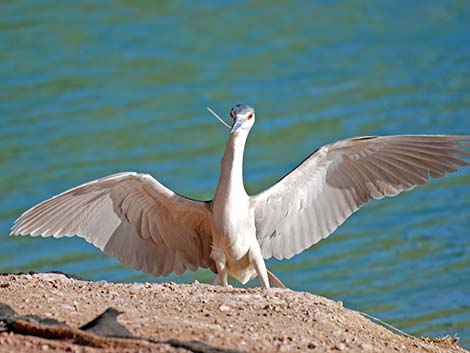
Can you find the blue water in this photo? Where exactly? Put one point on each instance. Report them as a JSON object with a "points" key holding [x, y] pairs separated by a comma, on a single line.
{"points": [[90, 89]]}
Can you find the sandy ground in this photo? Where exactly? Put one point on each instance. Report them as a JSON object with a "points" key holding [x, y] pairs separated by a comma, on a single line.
{"points": [[248, 320]]}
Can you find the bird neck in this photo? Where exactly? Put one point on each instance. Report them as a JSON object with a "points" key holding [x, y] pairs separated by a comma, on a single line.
{"points": [[231, 175]]}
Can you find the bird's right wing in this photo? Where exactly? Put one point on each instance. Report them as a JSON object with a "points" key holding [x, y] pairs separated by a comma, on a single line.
{"points": [[130, 216], [314, 199]]}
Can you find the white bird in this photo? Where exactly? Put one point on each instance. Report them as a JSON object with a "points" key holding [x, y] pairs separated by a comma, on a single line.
{"points": [[151, 228]]}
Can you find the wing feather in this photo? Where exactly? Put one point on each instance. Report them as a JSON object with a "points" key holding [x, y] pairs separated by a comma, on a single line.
{"points": [[132, 217], [310, 202]]}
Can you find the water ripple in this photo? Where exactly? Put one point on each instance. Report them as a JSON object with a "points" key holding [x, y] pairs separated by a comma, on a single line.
{"points": [[90, 89]]}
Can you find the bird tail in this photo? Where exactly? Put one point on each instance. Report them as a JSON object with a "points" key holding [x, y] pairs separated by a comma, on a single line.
{"points": [[273, 280]]}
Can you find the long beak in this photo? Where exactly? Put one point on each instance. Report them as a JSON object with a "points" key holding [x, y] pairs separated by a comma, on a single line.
{"points": [[236, 124]]}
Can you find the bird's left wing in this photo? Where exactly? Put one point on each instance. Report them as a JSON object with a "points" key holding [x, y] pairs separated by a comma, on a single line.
{"points": [[130, 216], [310, 202]]}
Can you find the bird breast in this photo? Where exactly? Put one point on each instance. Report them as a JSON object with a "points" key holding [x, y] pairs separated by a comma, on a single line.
{"points": [[234, 228]]}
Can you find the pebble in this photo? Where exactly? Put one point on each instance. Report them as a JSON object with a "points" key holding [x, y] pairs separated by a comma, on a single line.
{"points": [[368, 347], [50, 277], [224, 307], [67, 307], [45, 347], [340, 346], [312, 345]]}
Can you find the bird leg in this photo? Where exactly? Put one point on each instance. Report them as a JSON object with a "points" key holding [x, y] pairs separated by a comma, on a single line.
{"points": [[221, 265], [222, 273], [257, 261]]}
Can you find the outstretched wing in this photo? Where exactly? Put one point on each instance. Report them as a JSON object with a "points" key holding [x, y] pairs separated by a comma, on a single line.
{"points": [[132, 217], [314, 199]]}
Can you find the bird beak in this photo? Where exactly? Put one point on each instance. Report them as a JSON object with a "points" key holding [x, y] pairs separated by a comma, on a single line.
{"points": [[236, 124]]}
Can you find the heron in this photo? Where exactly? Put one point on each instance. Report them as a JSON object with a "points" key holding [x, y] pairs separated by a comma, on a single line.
{"points": [[149, 227]]}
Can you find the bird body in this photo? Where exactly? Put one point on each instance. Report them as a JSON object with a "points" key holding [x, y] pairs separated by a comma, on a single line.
{"points": [[149, 227], [233, 215]]}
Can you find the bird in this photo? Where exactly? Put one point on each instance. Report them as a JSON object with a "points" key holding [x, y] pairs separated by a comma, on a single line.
{"points": [[106, 324], [149, 227]]}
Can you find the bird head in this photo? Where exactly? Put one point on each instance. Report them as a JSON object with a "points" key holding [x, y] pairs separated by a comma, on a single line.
{"points": [[112, 312], [243, 118]]}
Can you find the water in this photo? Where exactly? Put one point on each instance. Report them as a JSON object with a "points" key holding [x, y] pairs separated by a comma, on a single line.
{"points": [[91, 89]]}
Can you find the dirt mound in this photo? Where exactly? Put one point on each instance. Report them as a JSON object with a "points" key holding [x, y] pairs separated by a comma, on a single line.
{"points": [[249, 320]]}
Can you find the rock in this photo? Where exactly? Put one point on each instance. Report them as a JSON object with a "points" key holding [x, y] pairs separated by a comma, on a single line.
{"points": [[50, 277], [312, 345], [340, 346], [106, 324], [224, 307], [367, 347]]}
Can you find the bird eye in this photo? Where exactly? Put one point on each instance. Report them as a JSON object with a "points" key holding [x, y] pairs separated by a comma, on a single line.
{"points": [[250, 116]]}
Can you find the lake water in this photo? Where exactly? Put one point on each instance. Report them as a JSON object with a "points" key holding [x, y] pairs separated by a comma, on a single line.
{"points": [[88, 89]]}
